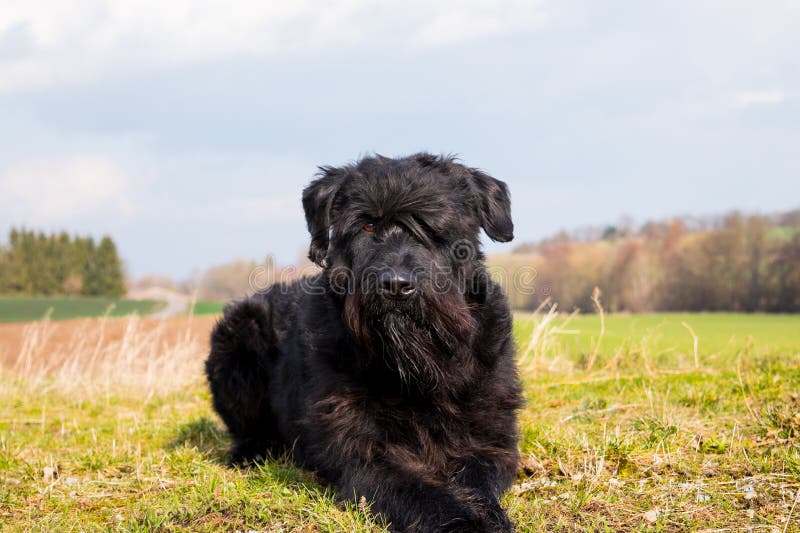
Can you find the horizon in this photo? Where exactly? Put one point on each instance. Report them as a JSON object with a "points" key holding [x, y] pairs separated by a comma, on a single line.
{"points": [[573, 233]]}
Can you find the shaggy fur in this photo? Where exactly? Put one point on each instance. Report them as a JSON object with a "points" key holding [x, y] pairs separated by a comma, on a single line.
{"points": [[390, 373]]}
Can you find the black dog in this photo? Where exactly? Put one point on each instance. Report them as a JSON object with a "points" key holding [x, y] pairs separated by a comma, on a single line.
{"points": [[391, 373]]}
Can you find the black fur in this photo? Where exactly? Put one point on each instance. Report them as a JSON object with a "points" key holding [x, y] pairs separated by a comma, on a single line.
{"points": [[405, 395]]}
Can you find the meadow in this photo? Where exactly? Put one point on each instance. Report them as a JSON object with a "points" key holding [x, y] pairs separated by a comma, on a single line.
{"points": [[663, 422], [207, 308], [24, 308]]}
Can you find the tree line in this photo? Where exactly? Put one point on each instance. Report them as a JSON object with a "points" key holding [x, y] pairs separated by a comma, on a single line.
{"points": [[736, 263], [39, 264]]}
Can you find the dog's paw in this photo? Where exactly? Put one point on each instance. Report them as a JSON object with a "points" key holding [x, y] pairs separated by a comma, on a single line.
{"points": [[478, 525], [498, 521], [247, 453], [502, 525]]}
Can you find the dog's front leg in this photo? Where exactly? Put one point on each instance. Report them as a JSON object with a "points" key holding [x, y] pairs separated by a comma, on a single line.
{"points": [[352, 452], [411, 504], [485, 480]]}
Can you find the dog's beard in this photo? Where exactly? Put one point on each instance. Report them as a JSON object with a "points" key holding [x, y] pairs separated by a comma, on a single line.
{"points": [[413, 339]]}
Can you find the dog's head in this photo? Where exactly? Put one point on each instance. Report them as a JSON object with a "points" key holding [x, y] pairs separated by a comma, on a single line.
{"points": [[399, 240]]}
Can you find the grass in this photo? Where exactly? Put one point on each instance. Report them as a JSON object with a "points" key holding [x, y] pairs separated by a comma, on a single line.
{"points": [[648, 441], [208, 308], [718, 333], [21, 309], [644, 440]]}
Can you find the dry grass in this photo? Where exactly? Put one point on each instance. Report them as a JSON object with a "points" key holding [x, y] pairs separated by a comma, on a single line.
{"points": [[538, 353], [104, 356]]}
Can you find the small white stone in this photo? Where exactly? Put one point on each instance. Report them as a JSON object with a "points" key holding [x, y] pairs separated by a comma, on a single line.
{"points": [[48, 473], [652, 515]]}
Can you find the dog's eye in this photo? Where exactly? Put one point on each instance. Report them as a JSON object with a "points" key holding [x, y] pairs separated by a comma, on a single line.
{"points": [[369, 228]]}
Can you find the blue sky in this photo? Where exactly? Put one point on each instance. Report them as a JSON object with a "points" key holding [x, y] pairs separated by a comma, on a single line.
{"points": [[188, 129]]}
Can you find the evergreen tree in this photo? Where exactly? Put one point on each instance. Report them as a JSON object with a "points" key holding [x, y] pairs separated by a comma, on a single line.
{"points": [[26, 261], [86, 262], [108, 277], [62, 249], [44, 266], [15, 273], [5, 276], [41, 264]]}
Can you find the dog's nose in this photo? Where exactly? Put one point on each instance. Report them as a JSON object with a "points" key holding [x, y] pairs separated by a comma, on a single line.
{"points": [[397, 284]]}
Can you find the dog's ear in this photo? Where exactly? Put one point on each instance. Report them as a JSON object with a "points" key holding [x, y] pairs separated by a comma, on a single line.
{"points": [[494, 205], [317, 201]]}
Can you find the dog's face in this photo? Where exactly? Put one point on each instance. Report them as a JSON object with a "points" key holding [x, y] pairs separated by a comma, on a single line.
{"points": [[399, 240]]}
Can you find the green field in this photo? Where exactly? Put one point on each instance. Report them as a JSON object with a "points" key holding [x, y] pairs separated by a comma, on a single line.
{"points": [[208, 308], [633, 433], [20, 309], [666, 339]]}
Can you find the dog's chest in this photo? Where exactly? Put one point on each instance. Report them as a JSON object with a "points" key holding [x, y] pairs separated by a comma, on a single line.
{"points": [[419, 435]]}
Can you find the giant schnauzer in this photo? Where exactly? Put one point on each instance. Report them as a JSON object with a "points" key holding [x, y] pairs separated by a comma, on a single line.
{"points": [[390, 373]]}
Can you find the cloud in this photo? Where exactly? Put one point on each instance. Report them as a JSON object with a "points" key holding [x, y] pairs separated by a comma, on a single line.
{"points": [[481, 19], [61, 189], [49, 43], [755, 98]]}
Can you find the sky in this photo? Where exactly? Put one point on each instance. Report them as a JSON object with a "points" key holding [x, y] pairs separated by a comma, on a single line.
{"points": [[187, 129]]}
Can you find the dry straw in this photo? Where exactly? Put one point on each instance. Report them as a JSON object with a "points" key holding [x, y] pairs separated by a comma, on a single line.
{"points": [[142, 356]]}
